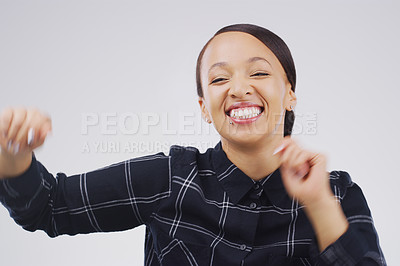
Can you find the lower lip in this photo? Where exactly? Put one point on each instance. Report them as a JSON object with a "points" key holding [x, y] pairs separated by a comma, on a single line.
{"points": [[245, 121]]}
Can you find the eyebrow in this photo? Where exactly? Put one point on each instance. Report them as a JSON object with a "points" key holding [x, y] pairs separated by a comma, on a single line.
{"points": [[256, 58], [250, 60]]}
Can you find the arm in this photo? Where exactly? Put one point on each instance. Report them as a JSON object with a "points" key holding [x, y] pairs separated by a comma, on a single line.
{"points": [[306, 179], [117, 197], [114, 198], [327, 219], [345, 233], [359, 244]]}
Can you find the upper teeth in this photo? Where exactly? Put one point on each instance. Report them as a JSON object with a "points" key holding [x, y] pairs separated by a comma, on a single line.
{"points": [[243, 113]]}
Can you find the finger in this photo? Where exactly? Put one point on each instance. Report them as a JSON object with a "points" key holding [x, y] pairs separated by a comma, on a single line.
{"points": [[282, 146], [42, 132], [299, 157], [22, 134], [289, 152], [302, 165], [31, 136], [317, 158], [295, 161], [5, 121], [35, 128], [279, 149], [287, 171], [293, 157], [318, 162], [16, 123], [298, 165]]}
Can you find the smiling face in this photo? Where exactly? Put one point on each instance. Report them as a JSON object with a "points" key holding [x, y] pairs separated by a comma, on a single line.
{"points": [[245, 89]]}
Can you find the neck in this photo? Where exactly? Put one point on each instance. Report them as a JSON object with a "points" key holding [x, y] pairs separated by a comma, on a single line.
{"points": [[256, 161]]}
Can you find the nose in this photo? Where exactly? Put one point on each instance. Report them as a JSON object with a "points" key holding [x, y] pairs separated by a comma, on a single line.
{"points": [[240, 88]]}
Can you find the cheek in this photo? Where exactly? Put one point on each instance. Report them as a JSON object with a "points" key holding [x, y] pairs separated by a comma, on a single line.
{"points": [[216, 98], [272, 92]]}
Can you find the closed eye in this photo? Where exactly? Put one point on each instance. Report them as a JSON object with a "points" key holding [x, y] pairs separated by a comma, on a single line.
{"points": [[217, 80], [259, 74]]}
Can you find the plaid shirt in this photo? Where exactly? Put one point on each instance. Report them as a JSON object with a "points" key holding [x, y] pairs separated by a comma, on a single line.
{"points": [[198, 209]]}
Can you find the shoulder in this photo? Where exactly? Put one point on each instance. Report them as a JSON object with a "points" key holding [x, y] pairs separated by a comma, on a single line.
{"points": [[183, 153], [341, 179], [188, 155], [177, 150], [341, 182], [348, 193]]}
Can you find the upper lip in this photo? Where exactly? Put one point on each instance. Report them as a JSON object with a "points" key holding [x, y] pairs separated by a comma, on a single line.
{"points": [[242, 105]]}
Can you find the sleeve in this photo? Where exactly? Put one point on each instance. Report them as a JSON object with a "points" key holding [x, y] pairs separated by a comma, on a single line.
{"points": [[114, 198], [359, 245]]}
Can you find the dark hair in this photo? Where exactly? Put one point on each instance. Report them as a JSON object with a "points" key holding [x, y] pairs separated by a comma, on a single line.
{"points": [[275, 44]]}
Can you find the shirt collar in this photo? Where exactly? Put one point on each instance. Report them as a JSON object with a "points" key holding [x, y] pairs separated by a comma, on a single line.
{"points": [[237, 184]]}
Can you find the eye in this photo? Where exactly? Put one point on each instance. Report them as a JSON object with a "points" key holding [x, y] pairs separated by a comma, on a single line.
{"points": [[217, 80], [259, 74]]}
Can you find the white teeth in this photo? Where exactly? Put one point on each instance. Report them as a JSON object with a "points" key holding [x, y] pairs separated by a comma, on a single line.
{"points": [[245, 113]]}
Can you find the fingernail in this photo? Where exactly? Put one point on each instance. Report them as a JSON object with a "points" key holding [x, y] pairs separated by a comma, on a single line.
{"points": [[16, 148], [9, 144], [278, 149], [31, 135]]}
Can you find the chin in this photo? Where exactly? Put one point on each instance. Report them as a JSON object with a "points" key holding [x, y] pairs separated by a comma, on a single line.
{"points": [[245, 138]]}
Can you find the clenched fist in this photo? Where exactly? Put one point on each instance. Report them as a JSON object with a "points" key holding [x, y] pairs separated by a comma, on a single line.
{"points": [[303, 173], [21, 131]]}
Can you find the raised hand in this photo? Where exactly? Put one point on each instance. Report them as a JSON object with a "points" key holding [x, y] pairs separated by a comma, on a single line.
{"points": [[305, 178], [21, 131], [303, 173]]}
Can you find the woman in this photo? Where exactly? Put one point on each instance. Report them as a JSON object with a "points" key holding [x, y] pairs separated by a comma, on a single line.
{"points": [[256, 198]]}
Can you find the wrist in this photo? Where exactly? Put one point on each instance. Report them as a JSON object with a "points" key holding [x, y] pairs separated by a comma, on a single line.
{"points": [[328, 220], [325, 200], [14, 165]]}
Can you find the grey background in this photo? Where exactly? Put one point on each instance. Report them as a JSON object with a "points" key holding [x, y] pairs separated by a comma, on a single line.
{"points": [[71, 58]]}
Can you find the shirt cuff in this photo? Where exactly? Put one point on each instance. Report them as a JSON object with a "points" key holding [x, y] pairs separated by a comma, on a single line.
{"points": [[17, 192], [349, 249]]}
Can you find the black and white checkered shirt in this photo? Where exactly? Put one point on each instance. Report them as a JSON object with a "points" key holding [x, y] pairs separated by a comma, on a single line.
{"points": [[198, 209]]}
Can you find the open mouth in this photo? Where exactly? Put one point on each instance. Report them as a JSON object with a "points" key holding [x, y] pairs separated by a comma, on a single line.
{"points": [[244, 115]]}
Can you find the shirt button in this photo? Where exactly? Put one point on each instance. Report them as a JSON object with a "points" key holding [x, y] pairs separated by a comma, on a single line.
{"points": [[253, 205], [242, 247], [256, 186]]}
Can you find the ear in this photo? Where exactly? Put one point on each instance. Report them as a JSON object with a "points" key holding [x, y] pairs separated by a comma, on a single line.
{"points": [[204, 112], [291, 100]]}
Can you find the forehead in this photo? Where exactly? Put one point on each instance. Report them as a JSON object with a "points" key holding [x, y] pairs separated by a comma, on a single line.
{"points": [[236, 47]]}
